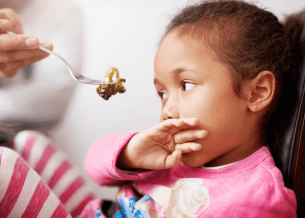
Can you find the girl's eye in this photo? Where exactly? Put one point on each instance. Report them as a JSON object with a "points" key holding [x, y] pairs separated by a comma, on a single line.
{"points": [[186, 86], [162, 95]]}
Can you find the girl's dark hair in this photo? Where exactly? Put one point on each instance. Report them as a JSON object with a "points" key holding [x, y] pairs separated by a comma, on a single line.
{"points": [[249, 40]]}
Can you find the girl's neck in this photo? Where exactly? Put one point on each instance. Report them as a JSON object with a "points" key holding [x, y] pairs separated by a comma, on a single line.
{"points": [[250, 146]]}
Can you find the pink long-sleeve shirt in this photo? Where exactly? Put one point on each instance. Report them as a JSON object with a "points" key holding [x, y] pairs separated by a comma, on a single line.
{"points": [[252, 187]]}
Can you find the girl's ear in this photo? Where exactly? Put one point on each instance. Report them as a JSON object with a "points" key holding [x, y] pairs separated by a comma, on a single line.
{"points": [[260, 91]]}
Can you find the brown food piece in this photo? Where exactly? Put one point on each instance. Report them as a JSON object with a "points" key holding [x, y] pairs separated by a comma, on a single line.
{"points": [[106, 91]]}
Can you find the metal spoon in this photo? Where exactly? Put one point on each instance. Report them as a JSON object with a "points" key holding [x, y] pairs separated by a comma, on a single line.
{"points": [[75, 75]]}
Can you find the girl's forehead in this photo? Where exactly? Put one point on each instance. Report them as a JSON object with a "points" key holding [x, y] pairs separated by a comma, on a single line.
{"points": [[186, 55], [183, 48], [174, 39]]}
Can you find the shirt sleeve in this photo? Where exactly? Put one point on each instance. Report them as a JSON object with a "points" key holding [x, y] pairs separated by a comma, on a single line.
{"points": [[101, 158], [271, 200]]}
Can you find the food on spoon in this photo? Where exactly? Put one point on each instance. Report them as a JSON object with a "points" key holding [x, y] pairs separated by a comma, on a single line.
{"points": [[106, 91]]}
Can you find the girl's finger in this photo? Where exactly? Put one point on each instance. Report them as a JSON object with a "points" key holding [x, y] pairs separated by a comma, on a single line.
{"points": [[190, 121], [188, 147], [177, 124], [173, 159], [169, 124], [189, 135]]}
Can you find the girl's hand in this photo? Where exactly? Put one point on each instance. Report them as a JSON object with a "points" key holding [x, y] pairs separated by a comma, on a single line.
{"points": [[161, 146], [17, 51]]}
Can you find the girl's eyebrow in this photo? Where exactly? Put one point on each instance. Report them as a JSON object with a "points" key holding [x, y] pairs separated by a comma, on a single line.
{"points": [[176, 71]]}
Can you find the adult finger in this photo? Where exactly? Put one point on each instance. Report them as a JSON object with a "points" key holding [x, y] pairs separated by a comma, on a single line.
{"points": [[9, 21], [47, 45], [17, 42], [189, 135], [16, 55], [5, 25], [188, 147], [11, 69], [5, 73]]}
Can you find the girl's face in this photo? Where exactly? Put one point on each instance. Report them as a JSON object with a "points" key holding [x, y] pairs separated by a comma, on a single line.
{"points": [[192, 83]]}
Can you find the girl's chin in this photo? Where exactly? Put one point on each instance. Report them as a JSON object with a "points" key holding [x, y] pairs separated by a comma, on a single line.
{"points": [[185, 155], [189, 160]]}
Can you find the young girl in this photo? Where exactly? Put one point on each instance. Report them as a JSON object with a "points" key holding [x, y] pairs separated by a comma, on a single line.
{"points": [[219, 72]]}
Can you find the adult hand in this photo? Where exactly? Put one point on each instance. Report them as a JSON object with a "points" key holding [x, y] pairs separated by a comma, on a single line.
{"points": [[161, 146], [17, 51]]}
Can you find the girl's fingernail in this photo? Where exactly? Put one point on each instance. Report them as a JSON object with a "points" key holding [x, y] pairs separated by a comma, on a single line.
{"points": [[30, 42]]}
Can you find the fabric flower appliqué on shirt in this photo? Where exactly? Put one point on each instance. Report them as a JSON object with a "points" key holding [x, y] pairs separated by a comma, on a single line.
{"points": [[187, 198]]}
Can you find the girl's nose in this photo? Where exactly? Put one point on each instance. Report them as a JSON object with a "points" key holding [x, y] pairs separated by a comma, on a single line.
{"points": [[170, 110]]}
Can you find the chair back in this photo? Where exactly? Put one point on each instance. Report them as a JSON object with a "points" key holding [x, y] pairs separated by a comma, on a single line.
{"points": [[291, 155]]}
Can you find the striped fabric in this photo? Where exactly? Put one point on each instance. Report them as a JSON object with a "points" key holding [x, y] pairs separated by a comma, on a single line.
{"points": [[54, 168], [22, 191]]}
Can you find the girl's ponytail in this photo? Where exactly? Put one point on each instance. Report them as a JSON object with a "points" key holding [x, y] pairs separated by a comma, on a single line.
{"points": [[293, 26], [288, 96]]}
